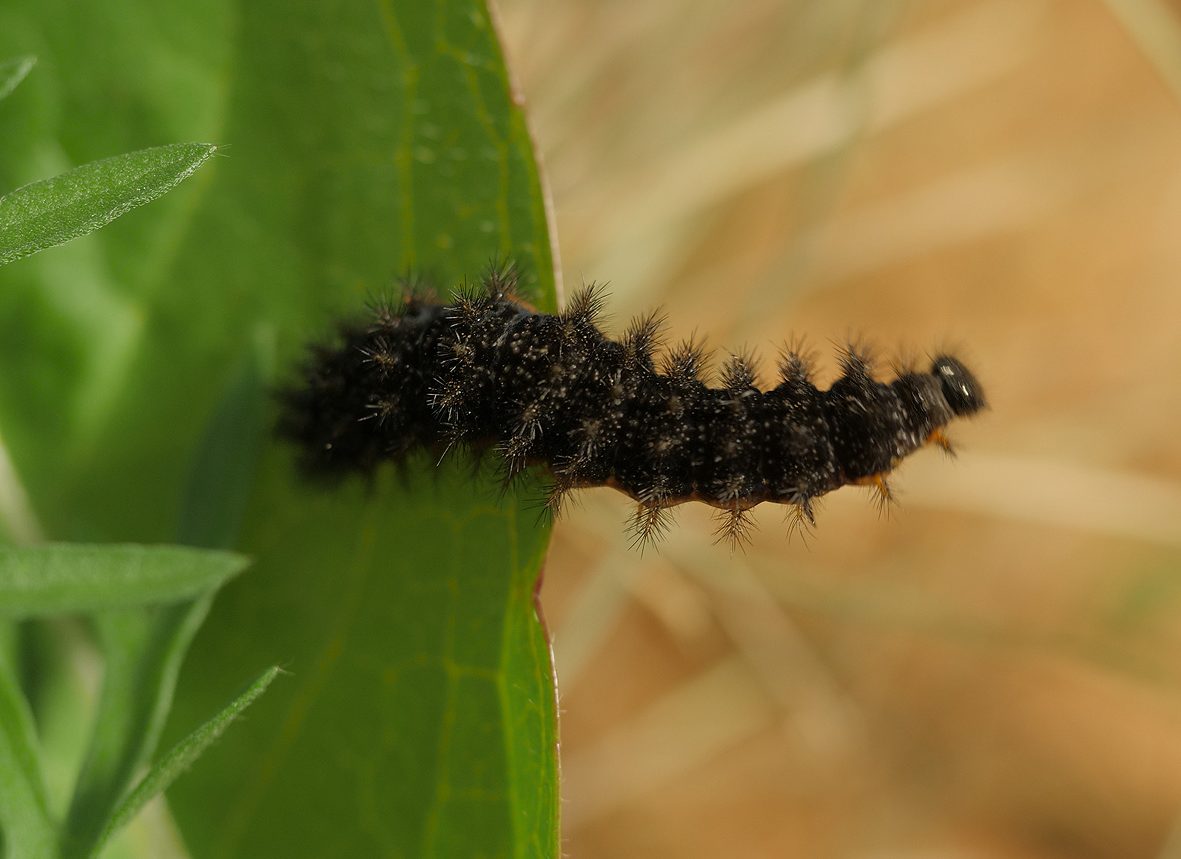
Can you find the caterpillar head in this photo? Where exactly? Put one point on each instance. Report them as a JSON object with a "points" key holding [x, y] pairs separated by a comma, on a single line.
{"points": [[960, 388]]}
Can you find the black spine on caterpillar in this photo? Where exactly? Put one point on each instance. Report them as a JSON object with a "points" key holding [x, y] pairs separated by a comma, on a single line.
{"points": [[487, 371]]}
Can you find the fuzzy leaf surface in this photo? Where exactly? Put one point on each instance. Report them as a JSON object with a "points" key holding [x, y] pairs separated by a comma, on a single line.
{"points": [[52, 211], [41, 581]]}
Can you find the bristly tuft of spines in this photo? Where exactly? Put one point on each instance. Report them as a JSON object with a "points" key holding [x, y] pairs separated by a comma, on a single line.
{"points": [[487, 373], [733, 528], [685, 362], [795, 364], [586, 307], [738, 374]]}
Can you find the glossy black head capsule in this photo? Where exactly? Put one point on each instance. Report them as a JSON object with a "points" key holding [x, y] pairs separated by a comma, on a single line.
{"points": [[960, 388]]}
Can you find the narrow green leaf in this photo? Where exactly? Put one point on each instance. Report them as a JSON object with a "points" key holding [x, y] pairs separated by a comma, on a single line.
{"points": [[13, 71], [181, 757], [142, 651], [79, 201], [26, 828], [74, 577]]}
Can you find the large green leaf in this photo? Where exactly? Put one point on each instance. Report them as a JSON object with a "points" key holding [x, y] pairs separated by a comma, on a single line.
{"points": [[361, 140], [419, 721]]}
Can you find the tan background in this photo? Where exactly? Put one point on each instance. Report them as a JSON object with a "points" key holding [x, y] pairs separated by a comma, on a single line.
{"points": [[993, 670]]}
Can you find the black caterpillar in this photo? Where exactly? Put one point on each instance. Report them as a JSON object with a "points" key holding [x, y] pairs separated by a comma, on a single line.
{"points": [[488, 371]]}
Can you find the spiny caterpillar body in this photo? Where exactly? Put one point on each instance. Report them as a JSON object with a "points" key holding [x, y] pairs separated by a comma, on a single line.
{"points": [[487, 371]]}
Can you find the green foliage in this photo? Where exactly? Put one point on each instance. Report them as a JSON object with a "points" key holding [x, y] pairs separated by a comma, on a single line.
{"points": [[145, 601], [25, 819], [57, 578], [360, 142], [72, 577], [181, 757], [79, 201]]}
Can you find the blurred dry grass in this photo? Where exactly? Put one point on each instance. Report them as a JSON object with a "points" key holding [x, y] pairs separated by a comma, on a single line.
{"points": [[993, 671]]}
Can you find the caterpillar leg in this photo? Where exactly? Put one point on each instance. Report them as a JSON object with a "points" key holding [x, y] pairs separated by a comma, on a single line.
{"points": [[938, 438], [883, 495]]}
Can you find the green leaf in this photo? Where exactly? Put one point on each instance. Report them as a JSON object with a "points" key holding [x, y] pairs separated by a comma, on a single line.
{"points": [[59, 578], [26, 828], [420, 694], [13, 71], [367, 140], [420, 717], [222, 472], [79, 201], [181, 757], [142, 652]]}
